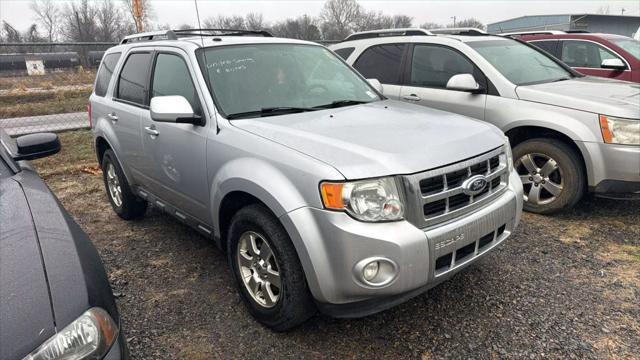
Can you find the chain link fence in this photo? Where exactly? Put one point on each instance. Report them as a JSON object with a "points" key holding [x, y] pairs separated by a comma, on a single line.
{"points": [[46, 86]]}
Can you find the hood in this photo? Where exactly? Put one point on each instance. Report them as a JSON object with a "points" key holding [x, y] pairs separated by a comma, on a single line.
{"points": [[380, 138], [592, 94], [26, 318]]}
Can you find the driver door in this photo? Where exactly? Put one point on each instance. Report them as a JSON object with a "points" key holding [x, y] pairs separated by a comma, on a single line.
{"points": [[429, 68], [177, 152]]}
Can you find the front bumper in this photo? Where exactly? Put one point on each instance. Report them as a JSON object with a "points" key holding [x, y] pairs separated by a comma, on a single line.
{"points": [[613, 170], [119, 350], [329, 245]]}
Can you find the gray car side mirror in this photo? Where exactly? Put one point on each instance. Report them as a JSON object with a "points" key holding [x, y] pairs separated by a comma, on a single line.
{"points": [[173, 108], [463, 82]]}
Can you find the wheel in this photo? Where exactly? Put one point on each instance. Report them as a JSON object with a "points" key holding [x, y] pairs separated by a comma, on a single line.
{"points": [[551, 174], [267, 270], [123, 201]]}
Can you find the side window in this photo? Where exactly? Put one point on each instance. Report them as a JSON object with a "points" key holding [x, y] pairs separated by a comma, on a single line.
{"points": [[381, 62], [345, 52], [585, 54], [433, 66], [132, 83], [103, 78], [549, 46], [171, 77]]}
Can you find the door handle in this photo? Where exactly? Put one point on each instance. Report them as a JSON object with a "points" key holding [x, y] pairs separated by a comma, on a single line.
{"points": [[151, 131], [112, 116], [412, 97]]}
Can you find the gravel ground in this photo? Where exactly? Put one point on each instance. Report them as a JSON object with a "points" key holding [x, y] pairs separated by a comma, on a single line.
{"points": [[566, 286]]}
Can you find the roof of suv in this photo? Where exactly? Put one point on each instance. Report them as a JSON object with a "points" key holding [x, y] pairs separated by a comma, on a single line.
{"points": [[588, 36], [198, 38]]}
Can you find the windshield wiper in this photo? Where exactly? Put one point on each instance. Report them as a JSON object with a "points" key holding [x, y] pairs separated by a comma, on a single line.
{"points": [[270, 111], [560, 79], [340, 103]]}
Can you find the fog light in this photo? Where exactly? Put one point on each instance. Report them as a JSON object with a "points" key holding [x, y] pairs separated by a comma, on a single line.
{"points": [[371, 270]]}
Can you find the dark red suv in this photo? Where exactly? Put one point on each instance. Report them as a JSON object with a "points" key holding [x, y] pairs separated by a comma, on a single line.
{"points": [[604, 55]]}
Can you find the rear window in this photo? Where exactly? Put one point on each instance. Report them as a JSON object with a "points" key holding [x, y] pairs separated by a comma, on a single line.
{"points": [[345, 52], [381, 62], [104, 74], [133, 81]]}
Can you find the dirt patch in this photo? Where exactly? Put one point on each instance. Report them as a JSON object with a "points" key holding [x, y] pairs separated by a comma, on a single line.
{"points": [[563, 286]]}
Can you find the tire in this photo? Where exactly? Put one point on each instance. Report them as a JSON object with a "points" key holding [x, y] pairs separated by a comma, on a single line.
{"points": [[127, 205], [557, 186], [294, 304]]}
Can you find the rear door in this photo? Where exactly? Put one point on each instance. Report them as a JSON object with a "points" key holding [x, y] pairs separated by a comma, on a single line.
{"points": [[383, 62], [130, 103], [586, 57], [177, 152], [429, 68]]}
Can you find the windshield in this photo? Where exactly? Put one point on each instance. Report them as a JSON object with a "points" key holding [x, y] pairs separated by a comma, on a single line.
{"points": [[270, 79], [519, 63], [629, 45]]}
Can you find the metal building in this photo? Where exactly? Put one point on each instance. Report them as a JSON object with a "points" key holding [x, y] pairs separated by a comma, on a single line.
{"points": [[611, 24]]}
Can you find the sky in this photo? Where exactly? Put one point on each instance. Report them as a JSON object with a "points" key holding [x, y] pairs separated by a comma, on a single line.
{"points": [[176, 12]]}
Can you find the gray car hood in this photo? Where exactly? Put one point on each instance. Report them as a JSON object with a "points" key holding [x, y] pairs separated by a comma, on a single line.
{"points": [[381, 138], [592, 94]]}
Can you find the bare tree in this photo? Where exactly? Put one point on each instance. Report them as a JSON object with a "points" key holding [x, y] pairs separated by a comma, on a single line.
{"points": [[254, 21], [339, 18], [147, 12], [431, 25], [48, 14], [11, 35], [78, 21], [604, 10], [402, 21], [470, 22], [225, 22], [304, 27], [112, 23]]}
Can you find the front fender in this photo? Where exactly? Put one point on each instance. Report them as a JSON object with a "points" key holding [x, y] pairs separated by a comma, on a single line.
{"points": [[576, 130], [259, 179]]}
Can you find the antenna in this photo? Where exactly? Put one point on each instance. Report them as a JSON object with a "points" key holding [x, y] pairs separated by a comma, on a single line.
{"points": [[204, 55]]}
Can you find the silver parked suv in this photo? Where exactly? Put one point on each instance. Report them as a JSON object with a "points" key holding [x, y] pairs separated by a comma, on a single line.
{"points": [[324, 194], [570, 133]]}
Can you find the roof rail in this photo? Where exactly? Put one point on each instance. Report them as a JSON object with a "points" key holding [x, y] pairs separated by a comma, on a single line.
{"points": [[459, 31], [534, 32], [174, 34], [149, 36], [388, 32]]}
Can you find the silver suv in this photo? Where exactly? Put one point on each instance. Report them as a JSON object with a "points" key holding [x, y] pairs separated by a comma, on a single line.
{"points": [[570, 133], [323, 193]]}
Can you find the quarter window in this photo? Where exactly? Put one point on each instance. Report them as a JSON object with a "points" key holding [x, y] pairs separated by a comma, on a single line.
{"points": [[433, 66], [104, 74], [171, 77], [585, 54], [132, 84], [381, 62], [345, 52]]}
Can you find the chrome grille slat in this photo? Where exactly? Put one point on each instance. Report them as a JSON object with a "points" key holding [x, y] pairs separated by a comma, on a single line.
{"points": [[435, 207]]}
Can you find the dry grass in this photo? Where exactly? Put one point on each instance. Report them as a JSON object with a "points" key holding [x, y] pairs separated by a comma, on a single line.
{"points": [[49, 80]]}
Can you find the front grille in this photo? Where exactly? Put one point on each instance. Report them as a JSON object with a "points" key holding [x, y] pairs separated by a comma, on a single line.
{"points": [[439, 193], [459, 256]]}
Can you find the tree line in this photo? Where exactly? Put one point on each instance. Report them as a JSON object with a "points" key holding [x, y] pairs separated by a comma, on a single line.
{"points": [[110, 20]]}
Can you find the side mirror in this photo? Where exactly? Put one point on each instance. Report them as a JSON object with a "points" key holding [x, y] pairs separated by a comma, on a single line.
{"points": [[613, 64], [464, 82], [376, 84], [36, 146], [174, 108]]}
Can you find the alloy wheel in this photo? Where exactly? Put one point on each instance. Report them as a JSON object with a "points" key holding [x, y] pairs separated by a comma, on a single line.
{"points": [[115, 191], [541, 177], [259, 269]]}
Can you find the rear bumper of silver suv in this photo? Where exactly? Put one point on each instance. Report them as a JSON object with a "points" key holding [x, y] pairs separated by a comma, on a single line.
{"points": [[332, 244]]}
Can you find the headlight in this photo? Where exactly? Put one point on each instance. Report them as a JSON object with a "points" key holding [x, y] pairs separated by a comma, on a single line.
{"points": [[88, 337], [620, 131], [366, 200], [508, 154]]}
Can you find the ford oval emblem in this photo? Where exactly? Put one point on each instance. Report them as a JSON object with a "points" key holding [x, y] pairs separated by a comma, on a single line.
{"points": [[474, 185]]}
